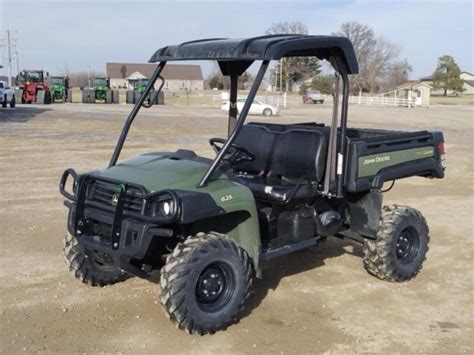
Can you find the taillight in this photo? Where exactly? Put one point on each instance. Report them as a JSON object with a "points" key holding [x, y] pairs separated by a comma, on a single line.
{"points": [[441, 149]]}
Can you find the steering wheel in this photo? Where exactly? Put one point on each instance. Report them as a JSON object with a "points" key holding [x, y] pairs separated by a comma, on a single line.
{"points": [[236, 153]]}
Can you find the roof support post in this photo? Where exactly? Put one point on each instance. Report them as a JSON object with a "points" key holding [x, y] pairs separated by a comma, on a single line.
{"points": [[342, 142], [330, 175], [238, 125], [232, 103], [133, 114]]}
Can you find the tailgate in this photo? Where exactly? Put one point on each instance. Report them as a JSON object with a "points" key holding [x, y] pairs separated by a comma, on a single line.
{"points": [[371, 162]]}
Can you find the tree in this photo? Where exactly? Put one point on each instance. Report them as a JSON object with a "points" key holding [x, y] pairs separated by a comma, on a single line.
{"points": [[447, 75], [323, 83], [375, 55], [397, 74], [293, 69]]}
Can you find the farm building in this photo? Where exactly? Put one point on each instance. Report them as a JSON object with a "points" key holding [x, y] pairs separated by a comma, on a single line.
{"points": [[466, 77], [177, 77]]}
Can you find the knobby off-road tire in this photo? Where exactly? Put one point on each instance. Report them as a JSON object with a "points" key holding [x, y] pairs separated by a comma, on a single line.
{"points": [[398, 252], [205, 283], [89, 266]]}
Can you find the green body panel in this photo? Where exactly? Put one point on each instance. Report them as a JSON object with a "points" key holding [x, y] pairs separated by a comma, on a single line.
{"points": [[370, 165], [100, 88], [156, 172], [57, 88]]}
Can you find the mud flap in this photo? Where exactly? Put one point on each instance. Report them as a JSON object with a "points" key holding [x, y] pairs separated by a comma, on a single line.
{"points": [[365, 214]]}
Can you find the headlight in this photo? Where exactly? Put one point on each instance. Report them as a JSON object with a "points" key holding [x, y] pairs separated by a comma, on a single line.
{"points": [[165, 208]]}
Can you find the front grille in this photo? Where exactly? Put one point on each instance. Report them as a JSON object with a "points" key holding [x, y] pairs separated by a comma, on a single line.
{"points": [[103, 194]]}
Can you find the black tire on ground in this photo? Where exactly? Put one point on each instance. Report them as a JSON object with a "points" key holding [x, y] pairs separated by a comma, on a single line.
{"points": [[108, 97], [205, 283], [136, 96], [115, 96], [47, 97], [13, 102], [267, 112], [321, 102], [40, 97], [91, 96], [85, 96], [4, 102], [398, 252], [89, 266], [129, 97]]}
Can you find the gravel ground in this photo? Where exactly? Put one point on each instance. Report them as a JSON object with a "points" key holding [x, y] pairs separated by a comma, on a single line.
{"points": [[317, 300]]}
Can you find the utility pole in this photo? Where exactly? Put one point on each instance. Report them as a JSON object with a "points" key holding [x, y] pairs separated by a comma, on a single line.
{"points": [[17, 56], [281, 75], [9, 49]]}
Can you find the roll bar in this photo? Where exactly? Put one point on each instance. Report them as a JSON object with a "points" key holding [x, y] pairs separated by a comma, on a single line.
{"points": [[335, 157]]}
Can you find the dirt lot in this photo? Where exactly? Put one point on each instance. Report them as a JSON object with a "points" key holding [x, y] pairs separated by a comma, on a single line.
{"points": [[317, 300]]}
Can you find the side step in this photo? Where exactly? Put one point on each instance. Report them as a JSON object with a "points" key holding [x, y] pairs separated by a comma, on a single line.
{"points": [[289, 248]]}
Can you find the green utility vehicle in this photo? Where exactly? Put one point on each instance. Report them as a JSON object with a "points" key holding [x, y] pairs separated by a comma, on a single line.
{"points": [[209, 225], [100, 91], [59, 87], [153, 98]]}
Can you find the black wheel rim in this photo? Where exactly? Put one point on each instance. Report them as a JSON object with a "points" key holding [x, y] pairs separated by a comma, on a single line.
{"points": [[408, 245], [215, 287]]}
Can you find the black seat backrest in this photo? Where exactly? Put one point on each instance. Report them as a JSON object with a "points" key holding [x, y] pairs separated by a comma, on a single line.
{"points": [[300, 153], [292, 153]]}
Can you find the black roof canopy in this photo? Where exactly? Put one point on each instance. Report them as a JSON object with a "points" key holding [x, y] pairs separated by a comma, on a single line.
{"points": [[338, 50]]}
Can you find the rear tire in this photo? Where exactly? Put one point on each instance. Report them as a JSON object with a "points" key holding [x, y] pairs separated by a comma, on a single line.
{"points": [[4, 102], [40, 97], [109, 97], [13, 102], [129, 97], [89, 266], [267, 112], [205, 283], [398, 252], [115, 96]]}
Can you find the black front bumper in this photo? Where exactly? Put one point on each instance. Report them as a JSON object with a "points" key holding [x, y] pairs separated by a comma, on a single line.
{"points": [[129, 233]]}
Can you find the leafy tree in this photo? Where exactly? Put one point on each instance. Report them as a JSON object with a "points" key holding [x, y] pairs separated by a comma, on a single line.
{"points": [[293, 69], [447, 75], [323, 83]]}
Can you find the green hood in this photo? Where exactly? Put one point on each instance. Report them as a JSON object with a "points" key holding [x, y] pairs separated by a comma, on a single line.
{"points": [[159, 171]]}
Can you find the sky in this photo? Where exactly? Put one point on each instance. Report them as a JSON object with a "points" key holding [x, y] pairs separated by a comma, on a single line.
{"points": [[79, 35]]}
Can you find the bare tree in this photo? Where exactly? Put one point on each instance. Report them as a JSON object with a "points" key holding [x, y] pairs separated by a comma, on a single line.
{"points": [[376, 56], [293, 69], [397, 74]]}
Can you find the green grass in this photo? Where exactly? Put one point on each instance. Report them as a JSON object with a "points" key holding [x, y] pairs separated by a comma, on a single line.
{"points": [[452, 100]]}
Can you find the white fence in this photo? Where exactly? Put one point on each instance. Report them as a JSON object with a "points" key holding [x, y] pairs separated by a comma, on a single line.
{"points": [[377, 101]]}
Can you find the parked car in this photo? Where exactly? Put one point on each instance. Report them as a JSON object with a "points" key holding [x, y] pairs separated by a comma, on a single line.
{"points": [[257, 108], [313, 96], [7, 95]]}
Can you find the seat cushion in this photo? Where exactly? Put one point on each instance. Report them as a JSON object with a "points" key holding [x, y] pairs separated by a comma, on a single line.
{"points": [[275, 190]]}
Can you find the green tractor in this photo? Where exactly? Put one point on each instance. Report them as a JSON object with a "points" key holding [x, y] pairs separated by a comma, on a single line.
{"points": [[100, 91], [138, 88], [59, 87]]}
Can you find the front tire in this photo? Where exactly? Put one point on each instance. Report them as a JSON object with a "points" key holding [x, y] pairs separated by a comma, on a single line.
{"points": [[205, 283], [399, 250], [89, 266], [4, 102]]}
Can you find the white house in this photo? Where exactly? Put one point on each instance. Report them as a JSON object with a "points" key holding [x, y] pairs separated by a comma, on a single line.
{"points": [[177, 77]]}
